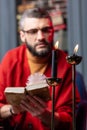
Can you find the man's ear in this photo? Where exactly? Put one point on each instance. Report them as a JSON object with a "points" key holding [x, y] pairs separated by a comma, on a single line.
{"points": [[22, 36]]}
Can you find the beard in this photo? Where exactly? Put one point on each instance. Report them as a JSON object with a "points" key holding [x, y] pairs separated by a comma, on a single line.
{"points": [[41, 53]]}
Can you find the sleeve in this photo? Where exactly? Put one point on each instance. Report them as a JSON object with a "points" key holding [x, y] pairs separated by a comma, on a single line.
{"points": [[5, 71], [2, 83]]}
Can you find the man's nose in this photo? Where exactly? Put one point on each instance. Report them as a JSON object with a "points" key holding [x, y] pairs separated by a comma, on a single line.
{"points": [[40, 35]]}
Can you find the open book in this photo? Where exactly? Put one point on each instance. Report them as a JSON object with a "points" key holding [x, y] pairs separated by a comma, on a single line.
{"points": [[14, 95]]}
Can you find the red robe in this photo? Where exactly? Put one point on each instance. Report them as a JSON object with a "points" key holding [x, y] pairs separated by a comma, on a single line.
{"points": [[14, 71]]}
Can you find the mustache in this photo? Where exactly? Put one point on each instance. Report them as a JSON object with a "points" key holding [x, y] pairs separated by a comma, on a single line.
{"points": [[42, 42]]}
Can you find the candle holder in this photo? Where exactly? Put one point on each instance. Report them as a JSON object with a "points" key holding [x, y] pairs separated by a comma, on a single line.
{"points": [[73, 60], [53, 82]]}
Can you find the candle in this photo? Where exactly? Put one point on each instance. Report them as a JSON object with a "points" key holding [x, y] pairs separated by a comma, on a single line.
{"points": [[76, 49], [74, 59], [54, 76], [54, 60]]}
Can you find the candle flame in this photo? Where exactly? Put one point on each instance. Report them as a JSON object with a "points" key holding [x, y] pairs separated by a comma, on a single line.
{"points": [[56, 45], [76, 48]]}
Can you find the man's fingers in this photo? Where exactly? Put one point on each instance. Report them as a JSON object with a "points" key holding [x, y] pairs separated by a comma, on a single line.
{"points": [[33, 109], [40, 101], [36, 101]]}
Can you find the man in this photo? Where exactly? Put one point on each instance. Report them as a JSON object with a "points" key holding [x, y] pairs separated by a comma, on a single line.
{"points": [[36, 32]]}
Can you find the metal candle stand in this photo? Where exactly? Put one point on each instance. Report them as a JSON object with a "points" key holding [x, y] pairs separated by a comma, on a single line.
{"points": [[73, 60], [53, 82]]}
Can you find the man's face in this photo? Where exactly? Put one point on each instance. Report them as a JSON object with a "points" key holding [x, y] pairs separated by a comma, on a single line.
{"points": [[38, 35]]}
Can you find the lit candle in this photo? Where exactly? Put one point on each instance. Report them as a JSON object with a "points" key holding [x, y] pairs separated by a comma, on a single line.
{"points": [[76, 49], [74, 59], [54, 60]]}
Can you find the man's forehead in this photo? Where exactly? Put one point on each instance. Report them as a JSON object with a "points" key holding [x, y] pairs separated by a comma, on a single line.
{"points": [[36, 22]]}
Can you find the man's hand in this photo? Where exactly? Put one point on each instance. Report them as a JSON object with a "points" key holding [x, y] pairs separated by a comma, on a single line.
{"points": [[34, 105], [9, 110], [38, 108]]}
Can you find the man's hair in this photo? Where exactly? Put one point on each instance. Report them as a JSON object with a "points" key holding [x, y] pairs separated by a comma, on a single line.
{"points": [[33, 13]]}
